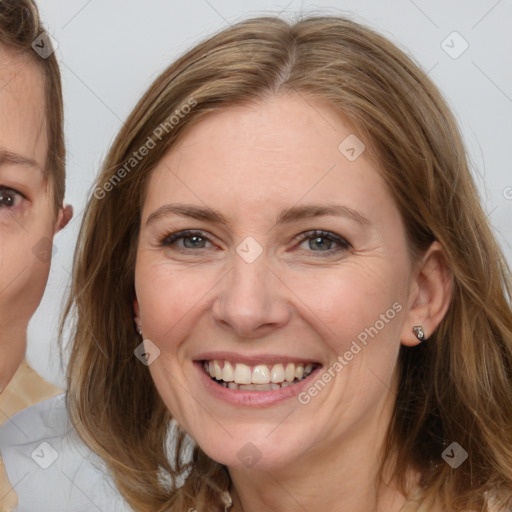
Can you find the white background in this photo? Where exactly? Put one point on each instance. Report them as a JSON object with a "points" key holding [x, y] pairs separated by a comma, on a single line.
{"points": [[111, 50]]}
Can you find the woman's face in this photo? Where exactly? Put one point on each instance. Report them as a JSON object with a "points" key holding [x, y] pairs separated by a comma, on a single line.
{"points": [[267, 252], [27, 213]]}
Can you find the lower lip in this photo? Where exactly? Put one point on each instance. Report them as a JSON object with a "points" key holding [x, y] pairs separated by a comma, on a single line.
{"points": [[253, 398]]}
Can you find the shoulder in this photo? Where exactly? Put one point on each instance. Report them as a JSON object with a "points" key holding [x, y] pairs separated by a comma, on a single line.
{"points": [[50, 467], [26, 388]]}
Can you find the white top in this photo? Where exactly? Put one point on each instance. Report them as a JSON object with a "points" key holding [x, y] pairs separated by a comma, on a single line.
{"points": [[49, 466]]}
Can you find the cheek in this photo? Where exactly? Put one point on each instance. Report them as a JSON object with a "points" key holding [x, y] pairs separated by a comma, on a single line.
{"points": [[349, 301], [25, 265], [168, 297]]}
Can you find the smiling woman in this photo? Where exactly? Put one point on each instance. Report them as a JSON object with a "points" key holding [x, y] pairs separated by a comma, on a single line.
{"points": [[310, 220]]}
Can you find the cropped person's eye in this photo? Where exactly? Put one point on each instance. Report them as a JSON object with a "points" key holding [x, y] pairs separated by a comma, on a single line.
{"points": [[9, 197]]}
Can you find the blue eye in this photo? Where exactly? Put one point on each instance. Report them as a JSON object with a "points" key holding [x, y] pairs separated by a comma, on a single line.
{"points": [[9, 197], [190, 239], [323, 242]]}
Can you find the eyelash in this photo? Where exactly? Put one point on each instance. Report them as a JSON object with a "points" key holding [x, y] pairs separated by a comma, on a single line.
{"points": [[170, 240]]}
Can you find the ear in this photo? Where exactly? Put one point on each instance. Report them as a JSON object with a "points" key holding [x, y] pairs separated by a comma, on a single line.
{"points": [[65, 215], [430, 294]]}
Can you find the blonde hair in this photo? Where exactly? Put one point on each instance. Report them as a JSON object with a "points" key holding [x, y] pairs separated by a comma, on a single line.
{"points": [[20, 25], [455, 387]]}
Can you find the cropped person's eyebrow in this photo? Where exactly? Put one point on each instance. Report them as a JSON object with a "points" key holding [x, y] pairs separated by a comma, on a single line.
{"points": [[8, 157], [288, 216]]}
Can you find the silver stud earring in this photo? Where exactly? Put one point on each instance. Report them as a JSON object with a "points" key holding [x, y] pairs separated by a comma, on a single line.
{"points": [[139, 330], [418, 331]]}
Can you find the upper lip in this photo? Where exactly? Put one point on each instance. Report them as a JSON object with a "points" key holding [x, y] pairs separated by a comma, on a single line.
{"points": [[253, 359]]}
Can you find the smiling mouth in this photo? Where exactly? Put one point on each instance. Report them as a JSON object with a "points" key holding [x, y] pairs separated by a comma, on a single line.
{"points": [[262, 377]]}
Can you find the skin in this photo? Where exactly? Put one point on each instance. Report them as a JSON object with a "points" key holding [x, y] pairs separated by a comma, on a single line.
{"points": [[297, 299], [28, 219]]}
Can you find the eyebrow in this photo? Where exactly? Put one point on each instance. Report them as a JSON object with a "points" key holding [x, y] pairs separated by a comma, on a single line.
{"points": [[14, 158], [287, 216]]}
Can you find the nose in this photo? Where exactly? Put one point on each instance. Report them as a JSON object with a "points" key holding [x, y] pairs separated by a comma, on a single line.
{"points": [[252, 300]]}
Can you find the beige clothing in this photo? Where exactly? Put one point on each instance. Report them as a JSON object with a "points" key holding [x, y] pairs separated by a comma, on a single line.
{"points": [[26, 388]]}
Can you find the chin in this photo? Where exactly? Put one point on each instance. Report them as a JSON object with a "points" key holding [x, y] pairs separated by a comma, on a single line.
{"points": [[259, 454]]}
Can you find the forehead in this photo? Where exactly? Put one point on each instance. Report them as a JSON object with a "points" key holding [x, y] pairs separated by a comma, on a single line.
{"points": [[22, 106], [276, 153]]}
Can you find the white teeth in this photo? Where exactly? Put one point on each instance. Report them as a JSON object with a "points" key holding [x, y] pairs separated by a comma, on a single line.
{"points": [[218, 370], [261, 377], [277, 373], [242, 374], [289, 373], [260, 374], [228, 374]]}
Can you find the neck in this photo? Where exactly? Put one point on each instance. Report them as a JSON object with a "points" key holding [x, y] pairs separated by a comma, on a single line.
{"points": [[343, 476], [12, 351]]}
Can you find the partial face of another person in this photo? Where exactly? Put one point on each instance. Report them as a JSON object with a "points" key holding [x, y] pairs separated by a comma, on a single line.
{"points": [[265, 254], [28, 219]]}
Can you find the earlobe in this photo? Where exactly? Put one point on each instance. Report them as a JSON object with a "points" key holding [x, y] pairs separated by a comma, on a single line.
{"points": [[432, 292], [65, 215]]}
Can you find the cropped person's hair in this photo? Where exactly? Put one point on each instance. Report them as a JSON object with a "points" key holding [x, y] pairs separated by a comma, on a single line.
{"points": [[20, 25], [457, 386]]}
